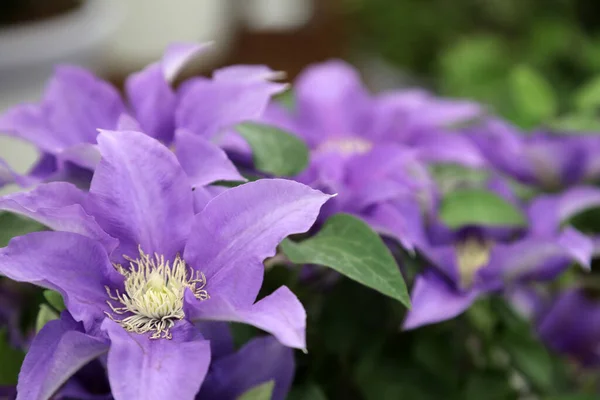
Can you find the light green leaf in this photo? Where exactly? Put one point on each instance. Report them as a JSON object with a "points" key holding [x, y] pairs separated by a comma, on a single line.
{"points": [[479, 207], [12, 225], [583, 123], [261, 392], [55, 300], [10, 361], [274, 150], [45, 315], [533, 97], [349, 246], [587, 98]]}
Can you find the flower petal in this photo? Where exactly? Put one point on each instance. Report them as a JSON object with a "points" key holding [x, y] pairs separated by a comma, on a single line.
{"points": [[57, 352], [247, 73], [145, 369], [59, 206], [203, 162], [241, 227], [150, 94], [140, 195], [261, 360], [281, 314], [77, 104], [28, 122], [76, 266], [223, 104], [538, 258], [434, 300], [331, 96], [219, 335]]}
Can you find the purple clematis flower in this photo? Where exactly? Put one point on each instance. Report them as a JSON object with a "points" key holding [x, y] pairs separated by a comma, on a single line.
{"points": [[64, 125], [138, 269], [370, 149], [231, 372], [570, 324], [470, 262], [549, 160]]}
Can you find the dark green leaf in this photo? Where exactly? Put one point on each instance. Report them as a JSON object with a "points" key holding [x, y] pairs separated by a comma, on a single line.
{"points": [[573, 397], [349, 246], [45, 315], [10, 361], [55, 300], [261, 392], [532, 95], [274, 150], [12, 225], [489, 385], [479, 207]]}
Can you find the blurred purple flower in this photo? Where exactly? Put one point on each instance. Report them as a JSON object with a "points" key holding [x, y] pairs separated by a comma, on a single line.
{"points": [[371, 150], [475, 260], [116, 261], [549, 160], [64, 125], [570, 324]]}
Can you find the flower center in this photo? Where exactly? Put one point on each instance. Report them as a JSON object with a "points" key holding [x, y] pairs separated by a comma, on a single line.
{"points": [[154, 291], [346, 146], [472, 254]]}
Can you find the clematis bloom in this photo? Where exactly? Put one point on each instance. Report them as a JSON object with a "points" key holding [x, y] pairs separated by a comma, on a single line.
{"points": [[138, 269]]}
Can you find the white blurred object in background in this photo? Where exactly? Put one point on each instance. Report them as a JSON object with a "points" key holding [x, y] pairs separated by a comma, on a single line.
{"points": [[150, 25], [277, 15]]}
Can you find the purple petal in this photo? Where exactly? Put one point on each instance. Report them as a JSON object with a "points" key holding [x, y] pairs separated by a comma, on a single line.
{"points": [[247, 73], [57, 352], [219, 335], [331, 96], [77, 104], [207, 107], [145, 369], [539, 258], [446, 147], [140, 195], [241, 227], [74, 265], [261, 360], [202, 161], [399, 219], [150, 95], [281, 314], [8, 176], [28, 122], [58, 205], [85, 155], [434, 300]]}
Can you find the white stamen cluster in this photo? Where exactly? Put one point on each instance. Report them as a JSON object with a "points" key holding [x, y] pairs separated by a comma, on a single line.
{"points": [[346, 146], [154, 291], [472, 255]]}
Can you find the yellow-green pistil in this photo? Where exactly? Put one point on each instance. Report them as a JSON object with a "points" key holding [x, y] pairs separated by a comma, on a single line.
{"points": [[472, 254], [154, 292]]}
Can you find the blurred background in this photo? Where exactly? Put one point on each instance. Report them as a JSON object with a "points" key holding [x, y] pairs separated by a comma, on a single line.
{"points": [[464, 48]]}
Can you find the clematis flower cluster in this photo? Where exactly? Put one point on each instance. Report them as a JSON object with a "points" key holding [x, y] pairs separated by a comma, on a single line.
{"points": [[154, 256]]}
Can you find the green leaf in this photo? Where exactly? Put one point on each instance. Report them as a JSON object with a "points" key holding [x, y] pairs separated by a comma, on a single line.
{"points": [[261, 392], [287, 99], [479, 207], [533, 97], [12, 225], [489, 385], [587, 98], [10, 361], [573, 397], [577, 124], [349, 246], [55, 300], [274, 150], [530, 357], [45, 315]]}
